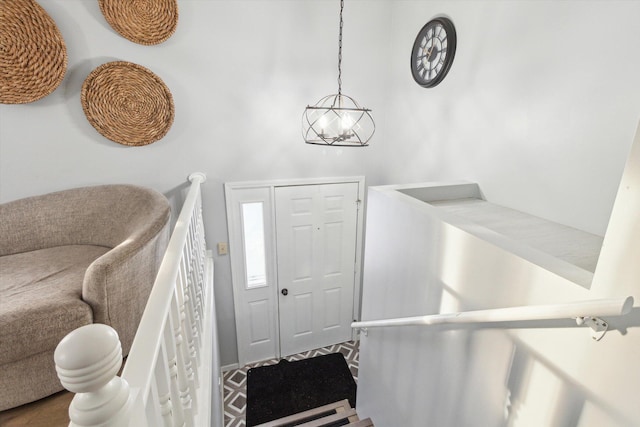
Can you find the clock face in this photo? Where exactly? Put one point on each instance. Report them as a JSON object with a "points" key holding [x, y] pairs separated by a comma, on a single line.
{"points": [[433, 52]]}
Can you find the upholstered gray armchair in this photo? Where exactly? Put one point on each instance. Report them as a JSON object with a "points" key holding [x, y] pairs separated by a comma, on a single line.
{"points": [[80, 256]]}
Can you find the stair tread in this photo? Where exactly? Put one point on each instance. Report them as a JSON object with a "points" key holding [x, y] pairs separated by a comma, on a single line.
{"points": [[341, 405], [330, 418], [362, 423]]}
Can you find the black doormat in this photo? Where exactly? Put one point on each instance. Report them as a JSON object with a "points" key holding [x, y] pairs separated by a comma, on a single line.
{"points": [[290, 387]]}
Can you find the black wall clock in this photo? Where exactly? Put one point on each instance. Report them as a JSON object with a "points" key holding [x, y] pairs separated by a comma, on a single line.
{"points": [[433, 52]]}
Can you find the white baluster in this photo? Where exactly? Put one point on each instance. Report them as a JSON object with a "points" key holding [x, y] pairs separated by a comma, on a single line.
{"points": [[191, 284], [171, 361], [202, 257], [186, 397], [195, 326], [196, 284], [190, 362], [197, 289], [87, 362], [198, 281], [161, 377], [191, 332]]}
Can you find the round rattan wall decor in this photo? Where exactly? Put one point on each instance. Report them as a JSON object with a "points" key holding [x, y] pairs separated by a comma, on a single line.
{"points": [[127, 103], [144, 22], [33, 56]]}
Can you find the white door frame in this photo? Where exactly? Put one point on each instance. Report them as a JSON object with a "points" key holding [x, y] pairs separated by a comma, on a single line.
{"points": [[233, 227]]}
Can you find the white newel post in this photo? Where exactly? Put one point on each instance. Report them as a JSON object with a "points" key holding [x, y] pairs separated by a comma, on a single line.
{"points": [[87, 362]]}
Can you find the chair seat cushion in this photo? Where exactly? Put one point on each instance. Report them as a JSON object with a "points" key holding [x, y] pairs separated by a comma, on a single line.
{"points": [[40, 298]]}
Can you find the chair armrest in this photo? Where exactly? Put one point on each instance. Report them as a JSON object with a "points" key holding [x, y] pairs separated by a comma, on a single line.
{"points": [[117, 285]]}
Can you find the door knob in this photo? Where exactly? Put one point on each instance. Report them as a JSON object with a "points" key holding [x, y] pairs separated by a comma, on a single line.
{"points": [[284, 292]]}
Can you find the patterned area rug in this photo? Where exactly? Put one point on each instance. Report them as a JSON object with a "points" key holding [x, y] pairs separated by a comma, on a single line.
{"points": [[235, 381]]}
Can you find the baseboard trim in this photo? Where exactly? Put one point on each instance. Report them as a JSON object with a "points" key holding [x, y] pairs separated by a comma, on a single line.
{"points": [[230, 367]]}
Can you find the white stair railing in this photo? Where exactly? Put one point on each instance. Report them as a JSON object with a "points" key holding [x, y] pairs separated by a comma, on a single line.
{"points": [[168, 375], [584, 312]]}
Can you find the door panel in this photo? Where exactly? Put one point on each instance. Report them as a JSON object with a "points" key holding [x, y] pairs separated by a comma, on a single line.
{"points": [[302, 322], [258, 313], [302, 252], [254, 296], [333, 248], [332, 299], [316, 244]]}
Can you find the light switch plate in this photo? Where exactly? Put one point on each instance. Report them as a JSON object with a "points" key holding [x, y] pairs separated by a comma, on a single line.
{"points": [[222, 248]]}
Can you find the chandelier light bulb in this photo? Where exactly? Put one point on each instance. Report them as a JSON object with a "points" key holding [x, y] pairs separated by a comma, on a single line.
{"points": [[322, 123], [347, 123]]}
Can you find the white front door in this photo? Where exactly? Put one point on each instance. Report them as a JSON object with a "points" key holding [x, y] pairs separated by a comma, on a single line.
{"points": [[303, 237], [316, 229]]}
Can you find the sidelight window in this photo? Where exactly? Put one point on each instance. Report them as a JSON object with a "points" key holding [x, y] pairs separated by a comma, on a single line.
{"points": [[254, 244]]}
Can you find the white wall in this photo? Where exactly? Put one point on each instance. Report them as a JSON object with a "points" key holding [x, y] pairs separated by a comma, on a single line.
{"points": [[527, 373], [241, 73], [539, 107]]}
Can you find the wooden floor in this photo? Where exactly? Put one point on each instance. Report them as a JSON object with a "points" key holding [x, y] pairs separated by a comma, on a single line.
{"points": [[51, 411]]}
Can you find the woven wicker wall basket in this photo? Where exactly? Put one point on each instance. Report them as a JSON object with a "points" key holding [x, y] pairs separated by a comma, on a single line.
{"points": [[144, 22], [127, 103], [33, 56]]}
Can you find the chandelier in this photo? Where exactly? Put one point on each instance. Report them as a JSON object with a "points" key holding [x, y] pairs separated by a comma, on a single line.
{"points": [[338, 119]]}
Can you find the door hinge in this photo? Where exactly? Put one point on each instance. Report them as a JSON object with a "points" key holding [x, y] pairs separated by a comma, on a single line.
{"points": [[358, 203]]}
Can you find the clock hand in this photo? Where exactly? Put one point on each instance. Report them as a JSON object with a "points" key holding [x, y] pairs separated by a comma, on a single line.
{"points": [[428, 55]]}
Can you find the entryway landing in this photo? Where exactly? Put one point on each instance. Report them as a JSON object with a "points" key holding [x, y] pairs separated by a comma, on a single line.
{"points": [[235, 381]]}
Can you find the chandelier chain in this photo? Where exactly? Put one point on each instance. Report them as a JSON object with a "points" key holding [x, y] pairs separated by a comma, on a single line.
{"points": [[340, 50]]}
